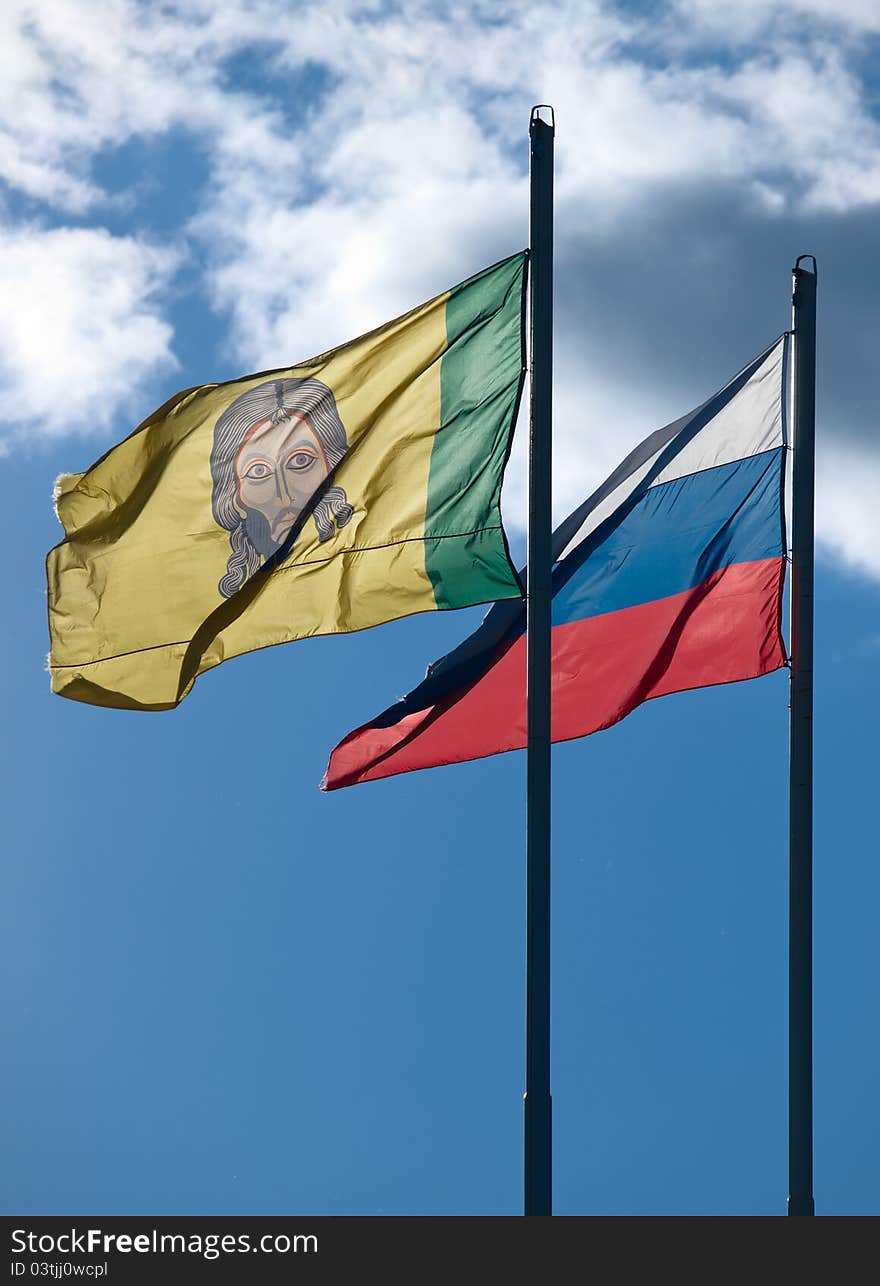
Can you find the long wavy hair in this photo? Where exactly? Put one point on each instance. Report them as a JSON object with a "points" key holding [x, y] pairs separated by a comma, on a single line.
{"points": [[273, 401]]}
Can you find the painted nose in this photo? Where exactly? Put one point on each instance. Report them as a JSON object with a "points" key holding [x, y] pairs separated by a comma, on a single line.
{"points": [[284, 515]]}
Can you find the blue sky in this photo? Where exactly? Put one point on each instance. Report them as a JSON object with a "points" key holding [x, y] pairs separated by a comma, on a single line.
{"points": [[231, 994]]}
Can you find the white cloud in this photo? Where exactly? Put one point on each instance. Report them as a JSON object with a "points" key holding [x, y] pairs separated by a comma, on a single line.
{"points": [[82, 328], [747, 19], [300, 278], [414, 164], [847, 506]]}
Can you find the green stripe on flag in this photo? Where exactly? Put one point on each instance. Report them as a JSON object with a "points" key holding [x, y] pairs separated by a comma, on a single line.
{"points": [[480, 382]]}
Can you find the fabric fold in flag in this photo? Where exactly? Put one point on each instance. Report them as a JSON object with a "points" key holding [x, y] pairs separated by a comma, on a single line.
{"points": [[353, 489], [668, 577]]}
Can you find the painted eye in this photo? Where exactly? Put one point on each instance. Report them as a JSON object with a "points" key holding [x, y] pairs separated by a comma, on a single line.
{"points": [[301, 460], [258, 471]]}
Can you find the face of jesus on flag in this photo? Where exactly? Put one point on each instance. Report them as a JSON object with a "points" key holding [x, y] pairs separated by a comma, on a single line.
{"points": [[274, 447], [276, 472]]}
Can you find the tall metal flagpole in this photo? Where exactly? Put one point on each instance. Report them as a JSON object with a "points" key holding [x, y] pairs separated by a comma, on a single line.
{"points": [[800, 961], [537, 1105]]}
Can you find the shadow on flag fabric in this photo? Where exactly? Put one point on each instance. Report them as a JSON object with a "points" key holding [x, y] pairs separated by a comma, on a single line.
{"points": [[355, 488], [669, 577]]}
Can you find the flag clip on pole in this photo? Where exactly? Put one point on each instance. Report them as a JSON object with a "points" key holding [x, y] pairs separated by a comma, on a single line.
{"points": [[537, 1105], [800, 965]]}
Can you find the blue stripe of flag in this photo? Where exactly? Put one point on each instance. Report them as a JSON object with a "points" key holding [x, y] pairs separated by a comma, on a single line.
{"points": [[675, 536]]}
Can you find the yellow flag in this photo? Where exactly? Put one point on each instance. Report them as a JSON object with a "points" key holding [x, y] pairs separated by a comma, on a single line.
{"points": [[352, 489]]}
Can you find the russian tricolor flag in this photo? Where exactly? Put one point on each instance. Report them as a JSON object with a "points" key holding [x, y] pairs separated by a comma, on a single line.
{"points": [[668, 577]]}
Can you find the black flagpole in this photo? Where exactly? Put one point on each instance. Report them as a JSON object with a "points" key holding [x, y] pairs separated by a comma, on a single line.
{"points": [[537, 1105], [800, 959]]}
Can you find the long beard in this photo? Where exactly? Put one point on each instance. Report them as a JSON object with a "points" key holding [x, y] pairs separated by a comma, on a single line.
{"points": [[259, 532]]}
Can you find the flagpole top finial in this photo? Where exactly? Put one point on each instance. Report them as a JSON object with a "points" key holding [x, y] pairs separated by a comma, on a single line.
{"points": [[536, 116]]}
